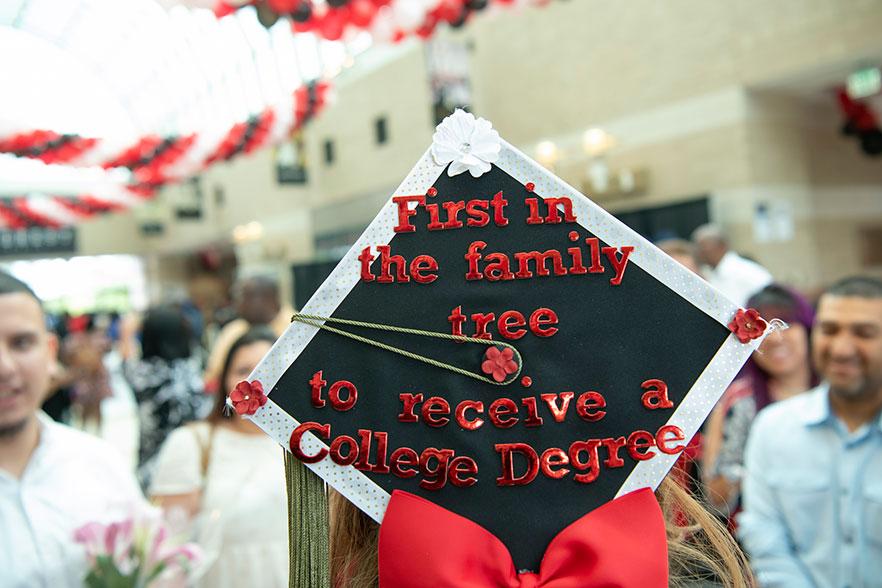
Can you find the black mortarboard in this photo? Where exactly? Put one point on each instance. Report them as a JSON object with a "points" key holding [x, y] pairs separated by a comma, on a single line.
{"points": [[615, 352]]}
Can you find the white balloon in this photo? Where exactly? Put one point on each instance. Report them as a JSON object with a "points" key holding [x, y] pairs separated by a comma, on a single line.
{"points": [[409, 15], [188, 3], [383, 27]]}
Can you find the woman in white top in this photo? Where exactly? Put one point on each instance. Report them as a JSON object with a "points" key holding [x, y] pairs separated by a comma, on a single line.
{"points": [[227, 478]]}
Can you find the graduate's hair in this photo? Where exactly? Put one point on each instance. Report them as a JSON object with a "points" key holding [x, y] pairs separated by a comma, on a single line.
{"points": [[252, 335], [355, 541], [699, 546]]}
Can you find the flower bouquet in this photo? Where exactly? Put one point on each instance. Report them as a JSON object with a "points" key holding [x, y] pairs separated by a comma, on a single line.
{"points": [[136, 553]]}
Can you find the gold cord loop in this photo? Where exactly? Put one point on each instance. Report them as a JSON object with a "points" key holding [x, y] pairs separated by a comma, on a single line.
{"points": [[318, 322]]}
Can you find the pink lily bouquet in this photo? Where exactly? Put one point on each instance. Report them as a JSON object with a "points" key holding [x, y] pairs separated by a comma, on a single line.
{"points": [[136, 553]]}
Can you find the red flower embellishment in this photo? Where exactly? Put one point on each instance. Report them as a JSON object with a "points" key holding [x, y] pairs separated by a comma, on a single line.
{"points": [[247, 397], [498, 363], [747, 325]]}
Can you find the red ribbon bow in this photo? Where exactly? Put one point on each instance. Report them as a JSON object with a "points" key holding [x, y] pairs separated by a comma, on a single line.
{"points": [[620, 544]]}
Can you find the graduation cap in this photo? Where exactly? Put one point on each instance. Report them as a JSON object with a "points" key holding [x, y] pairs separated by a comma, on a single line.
{"points": [[498, 345]]}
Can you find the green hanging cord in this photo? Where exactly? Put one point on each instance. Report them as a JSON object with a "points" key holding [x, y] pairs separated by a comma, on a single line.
{"points": [[309, 555], [311, 319]]}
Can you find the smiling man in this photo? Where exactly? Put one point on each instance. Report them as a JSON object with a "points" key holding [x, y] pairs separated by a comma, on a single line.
{"points": [[53, 479], [813, 490]]}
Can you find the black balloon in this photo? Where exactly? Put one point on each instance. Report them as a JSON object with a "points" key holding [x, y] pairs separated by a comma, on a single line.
{"points": [[462, 18], [337, 3], [871, 141], [266, 15], [302, 12], [477, 4]]}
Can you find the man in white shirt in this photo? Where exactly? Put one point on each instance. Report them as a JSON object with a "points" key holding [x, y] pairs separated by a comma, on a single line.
{"points": [[53, 479], [736, 277]]}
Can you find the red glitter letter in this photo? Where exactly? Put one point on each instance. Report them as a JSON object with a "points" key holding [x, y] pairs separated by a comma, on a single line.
{"points": [[635, 445], [589, 401], [366, 258], [503, 407], [462, 465], [423, 263], [404, 213], [508, 478], [317, 384], [294, 442], [435, 406], [410, 401], [554, 457], [593, 463], [334, 395], [460, 414], [662, 442], [657, 397]]}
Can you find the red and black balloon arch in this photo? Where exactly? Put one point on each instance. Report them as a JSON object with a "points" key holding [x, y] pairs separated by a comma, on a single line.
{"points": [[153, 160]]}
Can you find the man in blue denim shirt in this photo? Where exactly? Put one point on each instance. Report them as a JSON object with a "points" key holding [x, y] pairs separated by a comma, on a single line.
{"points": [[813, 486]]}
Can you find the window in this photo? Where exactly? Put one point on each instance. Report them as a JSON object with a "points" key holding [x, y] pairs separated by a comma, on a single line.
{"points": [[291, 160], [382, 133], [329, 151]]}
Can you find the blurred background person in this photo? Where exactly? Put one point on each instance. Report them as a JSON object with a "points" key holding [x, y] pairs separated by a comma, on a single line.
{"points": [[687, 468], [779, 369], [257, 303], [58, 401], [733, 275], [227, 475], [682, 251], [53, 479], [166, 381], [82, 354], [813, 463]]}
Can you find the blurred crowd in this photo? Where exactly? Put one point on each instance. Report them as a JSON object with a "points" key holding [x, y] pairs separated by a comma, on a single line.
{"points": [[790, 460]]}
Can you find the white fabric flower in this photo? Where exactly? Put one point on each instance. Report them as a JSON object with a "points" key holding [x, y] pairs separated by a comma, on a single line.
{"points": [[466, 144]]}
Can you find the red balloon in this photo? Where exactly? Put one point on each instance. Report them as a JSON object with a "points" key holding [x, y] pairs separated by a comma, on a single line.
{"points": [[303, 27], [283, 6], [223, 9], [428, 27], [449, 10], [362, 12], [426, 31], [331, 25]]}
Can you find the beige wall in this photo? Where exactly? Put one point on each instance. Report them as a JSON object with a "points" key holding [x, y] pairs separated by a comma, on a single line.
{"points": [[726, 99], [577, 63]]}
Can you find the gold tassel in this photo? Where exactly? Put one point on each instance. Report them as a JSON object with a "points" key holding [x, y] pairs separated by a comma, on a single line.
{"points": [[308, 529]]}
